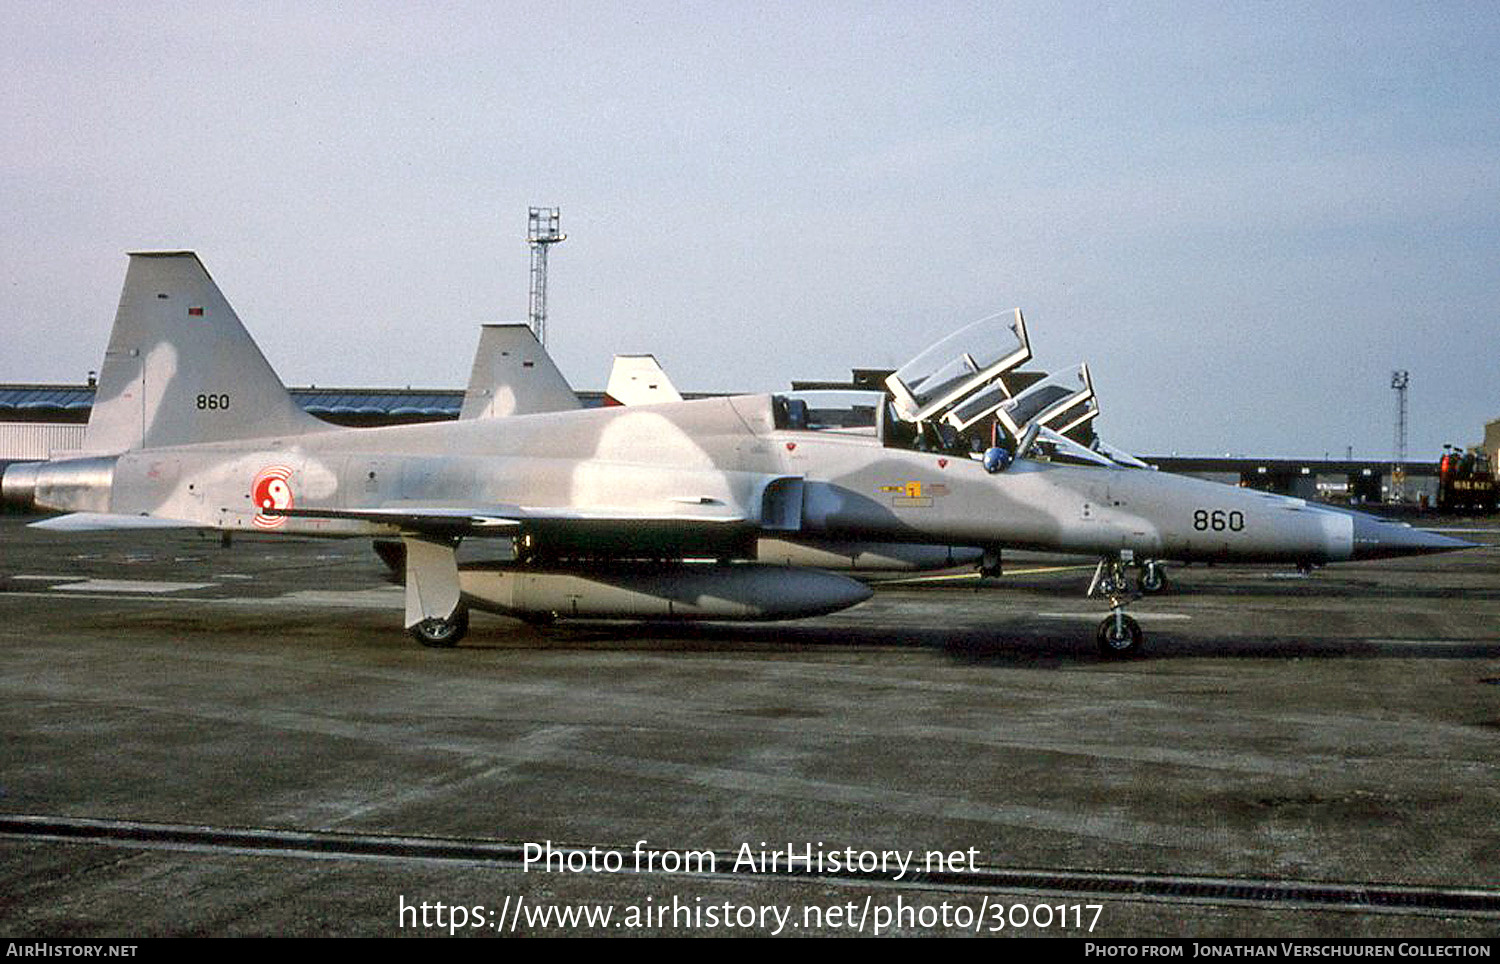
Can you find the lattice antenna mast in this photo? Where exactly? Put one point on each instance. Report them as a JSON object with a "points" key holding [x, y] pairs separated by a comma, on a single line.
{"points": [[1399, 381], [542, 232]]}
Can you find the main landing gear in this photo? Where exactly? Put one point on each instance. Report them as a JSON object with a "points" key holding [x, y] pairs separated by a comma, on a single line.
{"points": [[442, 633], [1152, 577], [1119, 635]]}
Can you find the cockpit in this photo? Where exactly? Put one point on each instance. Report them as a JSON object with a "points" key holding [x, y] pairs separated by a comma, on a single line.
{"points": [[863, 414], [829, 410]]}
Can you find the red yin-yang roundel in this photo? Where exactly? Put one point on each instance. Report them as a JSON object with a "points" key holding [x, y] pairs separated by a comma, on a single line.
{"points": [[272, 490]]}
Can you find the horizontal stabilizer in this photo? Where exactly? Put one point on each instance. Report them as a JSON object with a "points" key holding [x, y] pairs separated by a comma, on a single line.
{"points": [[103, 521]]}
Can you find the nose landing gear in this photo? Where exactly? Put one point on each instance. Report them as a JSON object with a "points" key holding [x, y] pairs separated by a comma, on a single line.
{"points": [[1119, 635]]}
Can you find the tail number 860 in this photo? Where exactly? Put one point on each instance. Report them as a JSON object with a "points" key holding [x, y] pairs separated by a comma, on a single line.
{"points": [[1218, 520]]}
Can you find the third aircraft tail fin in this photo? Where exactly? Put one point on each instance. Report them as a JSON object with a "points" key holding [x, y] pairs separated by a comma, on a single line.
{"points": [[640, 380]]}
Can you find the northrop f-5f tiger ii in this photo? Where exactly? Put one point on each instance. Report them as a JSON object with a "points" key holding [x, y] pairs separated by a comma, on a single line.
{"points": [[650, 511]]}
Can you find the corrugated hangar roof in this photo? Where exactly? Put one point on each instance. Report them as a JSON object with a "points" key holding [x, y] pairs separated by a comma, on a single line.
{"points": [[27, 398], [72, 402], [408, 403], [76, 400]]}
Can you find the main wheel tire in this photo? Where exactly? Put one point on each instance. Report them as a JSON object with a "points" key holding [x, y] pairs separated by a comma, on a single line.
{"points": [[1119, 639], [1154, 579], [442, 633]]}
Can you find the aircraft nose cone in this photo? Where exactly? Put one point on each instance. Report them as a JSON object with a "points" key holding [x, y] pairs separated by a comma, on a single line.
{"points": [[1378, 539]]}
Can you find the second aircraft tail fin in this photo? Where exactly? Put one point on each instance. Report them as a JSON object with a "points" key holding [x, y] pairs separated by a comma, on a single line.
{"points": [[514, 375]]}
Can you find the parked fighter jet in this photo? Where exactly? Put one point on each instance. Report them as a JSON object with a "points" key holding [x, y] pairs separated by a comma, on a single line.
{"points": [[625, 512]]}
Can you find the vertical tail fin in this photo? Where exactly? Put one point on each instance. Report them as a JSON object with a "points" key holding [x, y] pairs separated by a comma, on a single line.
{"points": [[514, 375], [180, 367]]}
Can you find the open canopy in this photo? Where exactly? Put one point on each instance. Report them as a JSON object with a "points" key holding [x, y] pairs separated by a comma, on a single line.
{"points": [[969, 358]]}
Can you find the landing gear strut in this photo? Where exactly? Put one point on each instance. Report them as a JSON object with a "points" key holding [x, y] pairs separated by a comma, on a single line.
{"points": [[1119, 635]]}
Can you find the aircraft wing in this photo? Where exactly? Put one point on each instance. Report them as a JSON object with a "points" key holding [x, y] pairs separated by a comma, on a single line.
{"points": [[430, 519], [707, 528], [425, 518]]}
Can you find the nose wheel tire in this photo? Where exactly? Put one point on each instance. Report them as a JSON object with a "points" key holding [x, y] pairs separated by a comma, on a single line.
{"points": [[442, 633], [1153, 578], [1119, 636]]}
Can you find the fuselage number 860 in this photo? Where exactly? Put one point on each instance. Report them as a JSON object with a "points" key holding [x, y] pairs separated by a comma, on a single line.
{"points": [[213, 402], [1218, 520]]}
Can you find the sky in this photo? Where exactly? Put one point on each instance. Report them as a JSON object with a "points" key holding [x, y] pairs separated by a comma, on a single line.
{"points": [[1243, 217]]}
